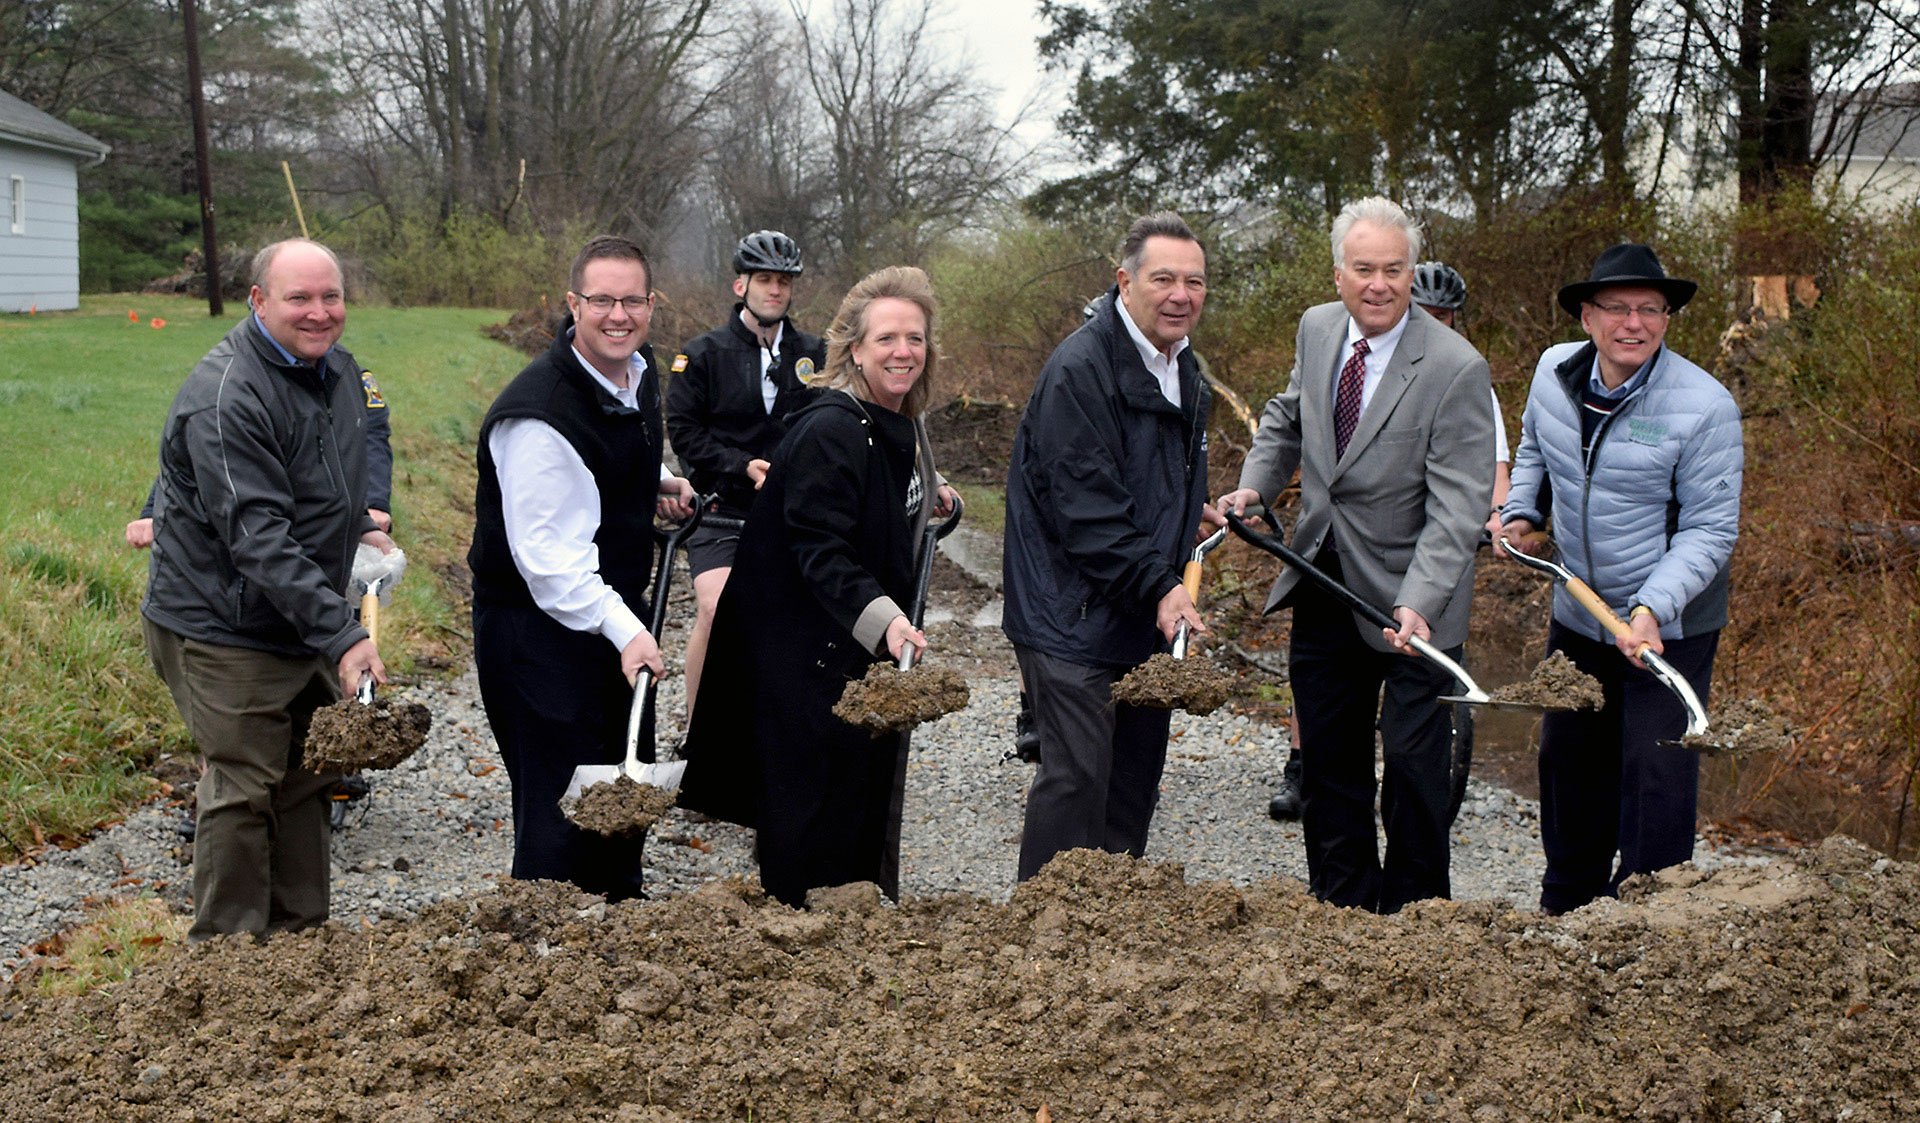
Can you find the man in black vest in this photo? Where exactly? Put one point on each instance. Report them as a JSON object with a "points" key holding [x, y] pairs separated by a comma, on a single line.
{"points": [[569, 481], [727, 407]]}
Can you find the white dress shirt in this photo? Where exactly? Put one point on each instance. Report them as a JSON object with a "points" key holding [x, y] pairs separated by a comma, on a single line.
{"points": [[769, 389], [1379, 354], [551, 507], [1164, 368]]}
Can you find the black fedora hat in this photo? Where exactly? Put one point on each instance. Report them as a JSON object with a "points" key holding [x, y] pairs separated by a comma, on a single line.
{"points": [[1627, 264]]}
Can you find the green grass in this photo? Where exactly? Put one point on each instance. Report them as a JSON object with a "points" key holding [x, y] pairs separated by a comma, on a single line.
{"points": [[118, 938], [986, 507], [82, 399]]}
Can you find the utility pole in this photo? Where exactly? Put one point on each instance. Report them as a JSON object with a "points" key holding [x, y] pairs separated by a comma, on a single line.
{"points": [[210, 249]]}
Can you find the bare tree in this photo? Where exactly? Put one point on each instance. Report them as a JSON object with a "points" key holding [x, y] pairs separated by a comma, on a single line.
{"points": [[575, 111], [910, 149]]}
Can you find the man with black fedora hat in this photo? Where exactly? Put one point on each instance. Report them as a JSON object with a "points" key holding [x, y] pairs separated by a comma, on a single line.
{"points": [[1635, 455]]}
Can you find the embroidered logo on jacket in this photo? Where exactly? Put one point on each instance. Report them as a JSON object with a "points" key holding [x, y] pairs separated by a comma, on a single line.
{"points": [[374, 400], [1644, 432]]}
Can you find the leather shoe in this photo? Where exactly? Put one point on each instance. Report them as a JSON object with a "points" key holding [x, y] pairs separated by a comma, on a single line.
{"points": [[1285, 804]]}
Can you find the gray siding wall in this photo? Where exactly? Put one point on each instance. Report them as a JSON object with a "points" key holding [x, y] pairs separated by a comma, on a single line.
{"points": [[41, 266]]}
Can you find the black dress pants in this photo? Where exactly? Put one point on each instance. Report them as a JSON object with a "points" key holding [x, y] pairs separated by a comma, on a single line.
{"points": [[556, 700], [1338, 681], [1098, 781], [1607, 785]]}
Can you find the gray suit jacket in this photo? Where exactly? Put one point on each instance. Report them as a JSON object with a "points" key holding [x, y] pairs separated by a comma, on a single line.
{"points": [[1407, 501]]}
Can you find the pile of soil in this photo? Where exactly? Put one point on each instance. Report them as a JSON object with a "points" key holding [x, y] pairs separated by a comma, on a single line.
{"points": [[1556, 684], [1166, 683], [529, 331], [890, 701], [1104, 989], [1742, 727], [350, 735], [973, 440], [621, 809]]}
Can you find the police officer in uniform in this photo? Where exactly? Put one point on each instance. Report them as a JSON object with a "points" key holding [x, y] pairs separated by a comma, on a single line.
{"points": [[728, 401]]}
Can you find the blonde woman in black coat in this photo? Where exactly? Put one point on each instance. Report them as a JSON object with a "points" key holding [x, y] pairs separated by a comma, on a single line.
{"points": [[824, 569]]}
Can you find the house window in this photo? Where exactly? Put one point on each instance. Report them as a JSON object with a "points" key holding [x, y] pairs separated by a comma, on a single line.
{"points": [[17, 203]]}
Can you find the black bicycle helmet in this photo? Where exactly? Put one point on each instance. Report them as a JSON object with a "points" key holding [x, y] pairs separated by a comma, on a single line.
{"points": [[767, 251], [1438, 285]]}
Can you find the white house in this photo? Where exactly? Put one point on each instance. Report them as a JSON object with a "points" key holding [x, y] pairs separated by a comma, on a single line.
{"points": [[39, 207]]}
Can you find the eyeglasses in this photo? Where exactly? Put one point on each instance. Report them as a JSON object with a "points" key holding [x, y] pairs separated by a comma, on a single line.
{"points": [[1646, 312], [602, 304]]}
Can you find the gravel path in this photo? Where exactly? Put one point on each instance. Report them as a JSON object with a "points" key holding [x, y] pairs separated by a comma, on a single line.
{"points": [[439, 825]]}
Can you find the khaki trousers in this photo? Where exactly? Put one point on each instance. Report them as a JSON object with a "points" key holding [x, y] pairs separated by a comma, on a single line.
{"points": [[260, 851]]}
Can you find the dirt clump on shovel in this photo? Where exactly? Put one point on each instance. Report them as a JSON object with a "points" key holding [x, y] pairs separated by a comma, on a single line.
{"points": [[1556, 684], [620, 809], [1166, 683], [1741, 727], [889, 700], [351, 735]]}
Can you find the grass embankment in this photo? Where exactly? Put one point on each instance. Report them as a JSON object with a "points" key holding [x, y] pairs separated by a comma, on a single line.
{"points": [[82, 399]]}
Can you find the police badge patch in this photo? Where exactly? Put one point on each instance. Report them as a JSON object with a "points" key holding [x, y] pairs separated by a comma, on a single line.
{"points": [[803, 370], [374, 400]]}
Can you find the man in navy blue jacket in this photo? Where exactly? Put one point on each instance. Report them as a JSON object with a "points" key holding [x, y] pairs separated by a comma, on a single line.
{"points": [[1104, 494]]}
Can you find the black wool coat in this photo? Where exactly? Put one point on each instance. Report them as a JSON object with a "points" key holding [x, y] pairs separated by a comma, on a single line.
{"points": [[828, 534]]}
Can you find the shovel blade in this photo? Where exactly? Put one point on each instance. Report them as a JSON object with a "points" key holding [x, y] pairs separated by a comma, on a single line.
{"points": [[665, 775], [1490, 703], [587, 775]]}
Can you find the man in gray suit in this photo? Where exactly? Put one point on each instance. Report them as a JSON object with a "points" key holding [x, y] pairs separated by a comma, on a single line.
{"points": [[1388, 417]]}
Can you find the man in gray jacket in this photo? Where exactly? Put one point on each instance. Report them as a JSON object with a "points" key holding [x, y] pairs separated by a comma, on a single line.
{"points": [[256, 517], [1388, 416], [1635, 454]]}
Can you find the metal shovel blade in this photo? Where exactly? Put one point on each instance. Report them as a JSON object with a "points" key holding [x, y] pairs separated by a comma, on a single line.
{"points": [[665, 774], [1584, 595]]}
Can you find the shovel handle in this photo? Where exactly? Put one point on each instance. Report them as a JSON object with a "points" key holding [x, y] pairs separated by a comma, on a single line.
{"points": [[1190, 578], [370, 620], [1590, 600], [634, 713]]}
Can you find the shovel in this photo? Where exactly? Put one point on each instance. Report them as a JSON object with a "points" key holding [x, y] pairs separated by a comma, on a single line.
{"points": [[1590, 600], [1470, 691], [1190, 577], [916, 615], [917, 611], [665, 774]]}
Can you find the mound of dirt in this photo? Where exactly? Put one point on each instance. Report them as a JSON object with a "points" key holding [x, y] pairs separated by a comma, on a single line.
{"points": [[350, 735], [1555, 684], [1105, 989], [972, 439], [621, 809], [529, 331], [889, 701], [1166, 683]]}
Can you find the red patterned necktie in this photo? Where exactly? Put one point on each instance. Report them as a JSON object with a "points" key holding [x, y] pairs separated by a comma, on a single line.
{"points": [[1346, 402]]}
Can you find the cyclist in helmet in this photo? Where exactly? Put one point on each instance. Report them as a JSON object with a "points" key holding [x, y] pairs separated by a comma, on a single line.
{"points": [[1442, 291], [728, 399]]}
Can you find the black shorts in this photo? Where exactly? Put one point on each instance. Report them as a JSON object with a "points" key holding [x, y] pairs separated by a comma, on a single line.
{"points": [[711, 547]]}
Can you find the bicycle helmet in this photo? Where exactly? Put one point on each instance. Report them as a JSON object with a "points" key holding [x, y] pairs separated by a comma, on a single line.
{"points": [[1438, 285], [766, 251]]}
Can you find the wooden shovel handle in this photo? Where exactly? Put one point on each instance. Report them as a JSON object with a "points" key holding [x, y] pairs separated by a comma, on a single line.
{"points": [[1591, 601], [1190, 578], [370, 616]]}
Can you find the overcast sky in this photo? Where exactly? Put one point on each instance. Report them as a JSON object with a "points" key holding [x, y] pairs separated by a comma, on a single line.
{"points": [[999, 37]]}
